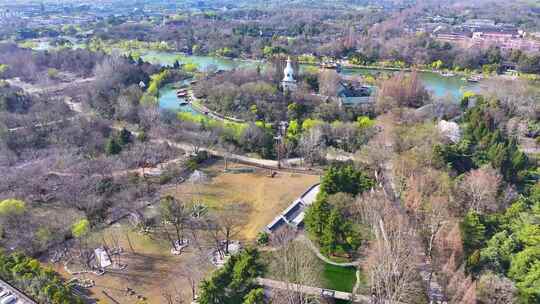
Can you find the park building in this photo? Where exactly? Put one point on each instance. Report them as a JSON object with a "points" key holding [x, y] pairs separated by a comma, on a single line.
{"points": [[293, 216], [351, 94]]}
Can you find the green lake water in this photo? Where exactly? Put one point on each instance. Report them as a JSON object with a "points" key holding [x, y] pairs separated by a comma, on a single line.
{"points": [[203, 62], [439, 86], [169, 101]]}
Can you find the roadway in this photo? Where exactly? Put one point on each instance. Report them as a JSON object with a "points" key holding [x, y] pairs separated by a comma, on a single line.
{"points": [[21, 297]]}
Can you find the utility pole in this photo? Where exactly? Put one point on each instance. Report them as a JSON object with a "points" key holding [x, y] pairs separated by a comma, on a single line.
{"points": [[278, 140], [282, 130]]}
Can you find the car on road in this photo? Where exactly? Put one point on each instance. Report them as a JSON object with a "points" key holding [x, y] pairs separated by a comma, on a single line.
{"points": [[326, 293], [11, 299], [4, 293]]}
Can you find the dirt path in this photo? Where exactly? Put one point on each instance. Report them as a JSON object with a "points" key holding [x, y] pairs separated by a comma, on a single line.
{"points": [[307, 241]]}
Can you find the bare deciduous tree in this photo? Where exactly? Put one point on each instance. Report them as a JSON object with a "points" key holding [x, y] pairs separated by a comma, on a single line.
{"points": [[174, 213], [392, 259], [312, 146], [172, 290], [230, 219], [479, 190], [402, 91], [328, 82], [495, 289], [295, 265]]}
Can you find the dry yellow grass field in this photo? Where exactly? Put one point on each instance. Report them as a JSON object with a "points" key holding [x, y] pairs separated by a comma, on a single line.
{"points": [[266, 196], [152, 270]]}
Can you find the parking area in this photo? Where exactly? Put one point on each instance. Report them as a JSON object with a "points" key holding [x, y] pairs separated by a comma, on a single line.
{"points": [[10, 295]]}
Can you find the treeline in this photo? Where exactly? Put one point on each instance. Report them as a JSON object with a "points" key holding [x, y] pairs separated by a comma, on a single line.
{"points": [[41, 284], [425, 52], [485, 143], [252, 137], [234, 283], [499, 229], [33, 66], [363, 39], [116, 93], [328, 221], [246, 33]]}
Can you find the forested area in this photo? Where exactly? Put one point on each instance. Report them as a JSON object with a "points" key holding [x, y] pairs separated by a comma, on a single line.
{"points": [[365, 36], [45, 66], [235, 282], [418, 194], [55, 158], [44, 285], [473, 201], [500, 224], [328, 220]]}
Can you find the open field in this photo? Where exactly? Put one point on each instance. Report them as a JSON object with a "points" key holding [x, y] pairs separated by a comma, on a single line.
{"points": [[151, 270], [266, 196]]}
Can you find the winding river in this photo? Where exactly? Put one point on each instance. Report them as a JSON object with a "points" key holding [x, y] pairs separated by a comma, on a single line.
{"points": [[440, 86]]}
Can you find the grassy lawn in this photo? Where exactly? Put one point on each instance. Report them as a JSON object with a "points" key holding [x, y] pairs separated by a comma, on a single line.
{"points": [[265, 196], [331, 277], [339, 278]]}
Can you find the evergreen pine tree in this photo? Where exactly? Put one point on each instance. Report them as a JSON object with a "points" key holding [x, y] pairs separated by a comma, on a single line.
{"points": [[112, 147], [332, 231], [472, 232], [316, 217], [125, 137]]}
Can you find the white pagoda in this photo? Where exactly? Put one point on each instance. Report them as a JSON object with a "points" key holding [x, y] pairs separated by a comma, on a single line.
{"points": [[288, 83]]}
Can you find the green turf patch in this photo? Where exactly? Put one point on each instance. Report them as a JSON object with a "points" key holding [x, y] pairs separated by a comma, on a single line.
{"points": [[339, 278]]}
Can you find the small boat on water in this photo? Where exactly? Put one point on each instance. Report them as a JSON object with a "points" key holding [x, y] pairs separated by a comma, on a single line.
{"points": [[184, 102], [447, 74], [474, 78], [329, 65], [182, 93]]}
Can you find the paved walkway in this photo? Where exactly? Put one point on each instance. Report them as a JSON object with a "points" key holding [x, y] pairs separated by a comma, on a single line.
{"points": [[257, 162], [303, 238], [314, 291]]}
